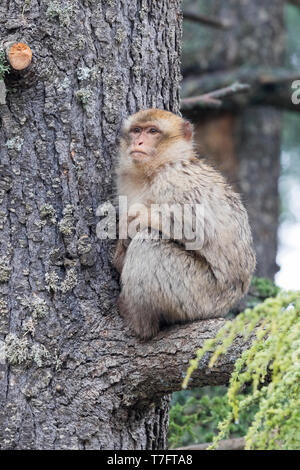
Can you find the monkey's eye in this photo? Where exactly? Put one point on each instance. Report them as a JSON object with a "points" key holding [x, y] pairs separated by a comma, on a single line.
{"points": [[136, 130], [153, 130]]}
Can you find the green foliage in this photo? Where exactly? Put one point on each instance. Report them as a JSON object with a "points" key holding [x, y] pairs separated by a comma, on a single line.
{"points": [[4, 67], [271, 365], [194, 418], [263, 287]]}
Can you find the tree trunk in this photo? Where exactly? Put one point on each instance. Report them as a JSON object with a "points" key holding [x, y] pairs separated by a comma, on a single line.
{"points": [[245, 145], [67, 363]]}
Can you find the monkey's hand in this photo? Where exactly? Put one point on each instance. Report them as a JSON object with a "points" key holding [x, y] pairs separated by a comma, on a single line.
{"points": [[120, 253], [144, 218]]}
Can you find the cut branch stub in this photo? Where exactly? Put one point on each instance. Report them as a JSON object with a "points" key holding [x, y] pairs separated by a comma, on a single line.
{"points": [[19, 55]]}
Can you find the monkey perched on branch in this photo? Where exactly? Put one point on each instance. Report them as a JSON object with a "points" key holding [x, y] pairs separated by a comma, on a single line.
{"points": [[169, 275]]}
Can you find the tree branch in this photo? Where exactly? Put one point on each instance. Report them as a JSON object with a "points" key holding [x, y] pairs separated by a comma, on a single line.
{"points": [[161, 364], [207, 20], [212, 98], [268, 87]]}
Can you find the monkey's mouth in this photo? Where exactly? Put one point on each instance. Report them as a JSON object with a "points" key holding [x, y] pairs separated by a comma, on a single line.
{"points": [[140, 152]]}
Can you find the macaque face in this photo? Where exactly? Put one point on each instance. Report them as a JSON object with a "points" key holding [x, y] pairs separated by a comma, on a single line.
{"points": [[143, 140], [153, 137]]}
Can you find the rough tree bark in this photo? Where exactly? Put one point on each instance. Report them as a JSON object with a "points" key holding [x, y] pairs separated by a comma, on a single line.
{"points": [[245, 144], [72, 377]]}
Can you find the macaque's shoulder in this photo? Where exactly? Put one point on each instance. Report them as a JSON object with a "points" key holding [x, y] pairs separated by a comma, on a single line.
{"points": [[194, 172], [205, 168]]}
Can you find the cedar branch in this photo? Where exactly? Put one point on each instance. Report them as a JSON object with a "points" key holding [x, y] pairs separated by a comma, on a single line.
{"points": [[177, 345]]}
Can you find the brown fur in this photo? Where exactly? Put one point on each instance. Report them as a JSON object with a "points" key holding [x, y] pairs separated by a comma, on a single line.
{"points": [[162, 281]]}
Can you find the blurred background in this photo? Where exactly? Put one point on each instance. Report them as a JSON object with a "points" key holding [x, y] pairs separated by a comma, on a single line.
{"points": [[254, 139]]}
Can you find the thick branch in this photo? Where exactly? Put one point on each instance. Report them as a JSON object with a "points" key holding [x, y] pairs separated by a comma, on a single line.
{"points": [[160, 365], [207, 20], [268, 87]]}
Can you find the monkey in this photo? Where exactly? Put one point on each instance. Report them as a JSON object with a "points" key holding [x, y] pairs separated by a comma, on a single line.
{"points": [[163, 279]]}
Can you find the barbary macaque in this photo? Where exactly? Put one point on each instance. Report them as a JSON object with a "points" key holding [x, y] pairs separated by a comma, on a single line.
{"points": [[170, 275]]}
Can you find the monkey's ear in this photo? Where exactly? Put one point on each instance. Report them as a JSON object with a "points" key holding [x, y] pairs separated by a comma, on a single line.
{"points": [[187, 130]]}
